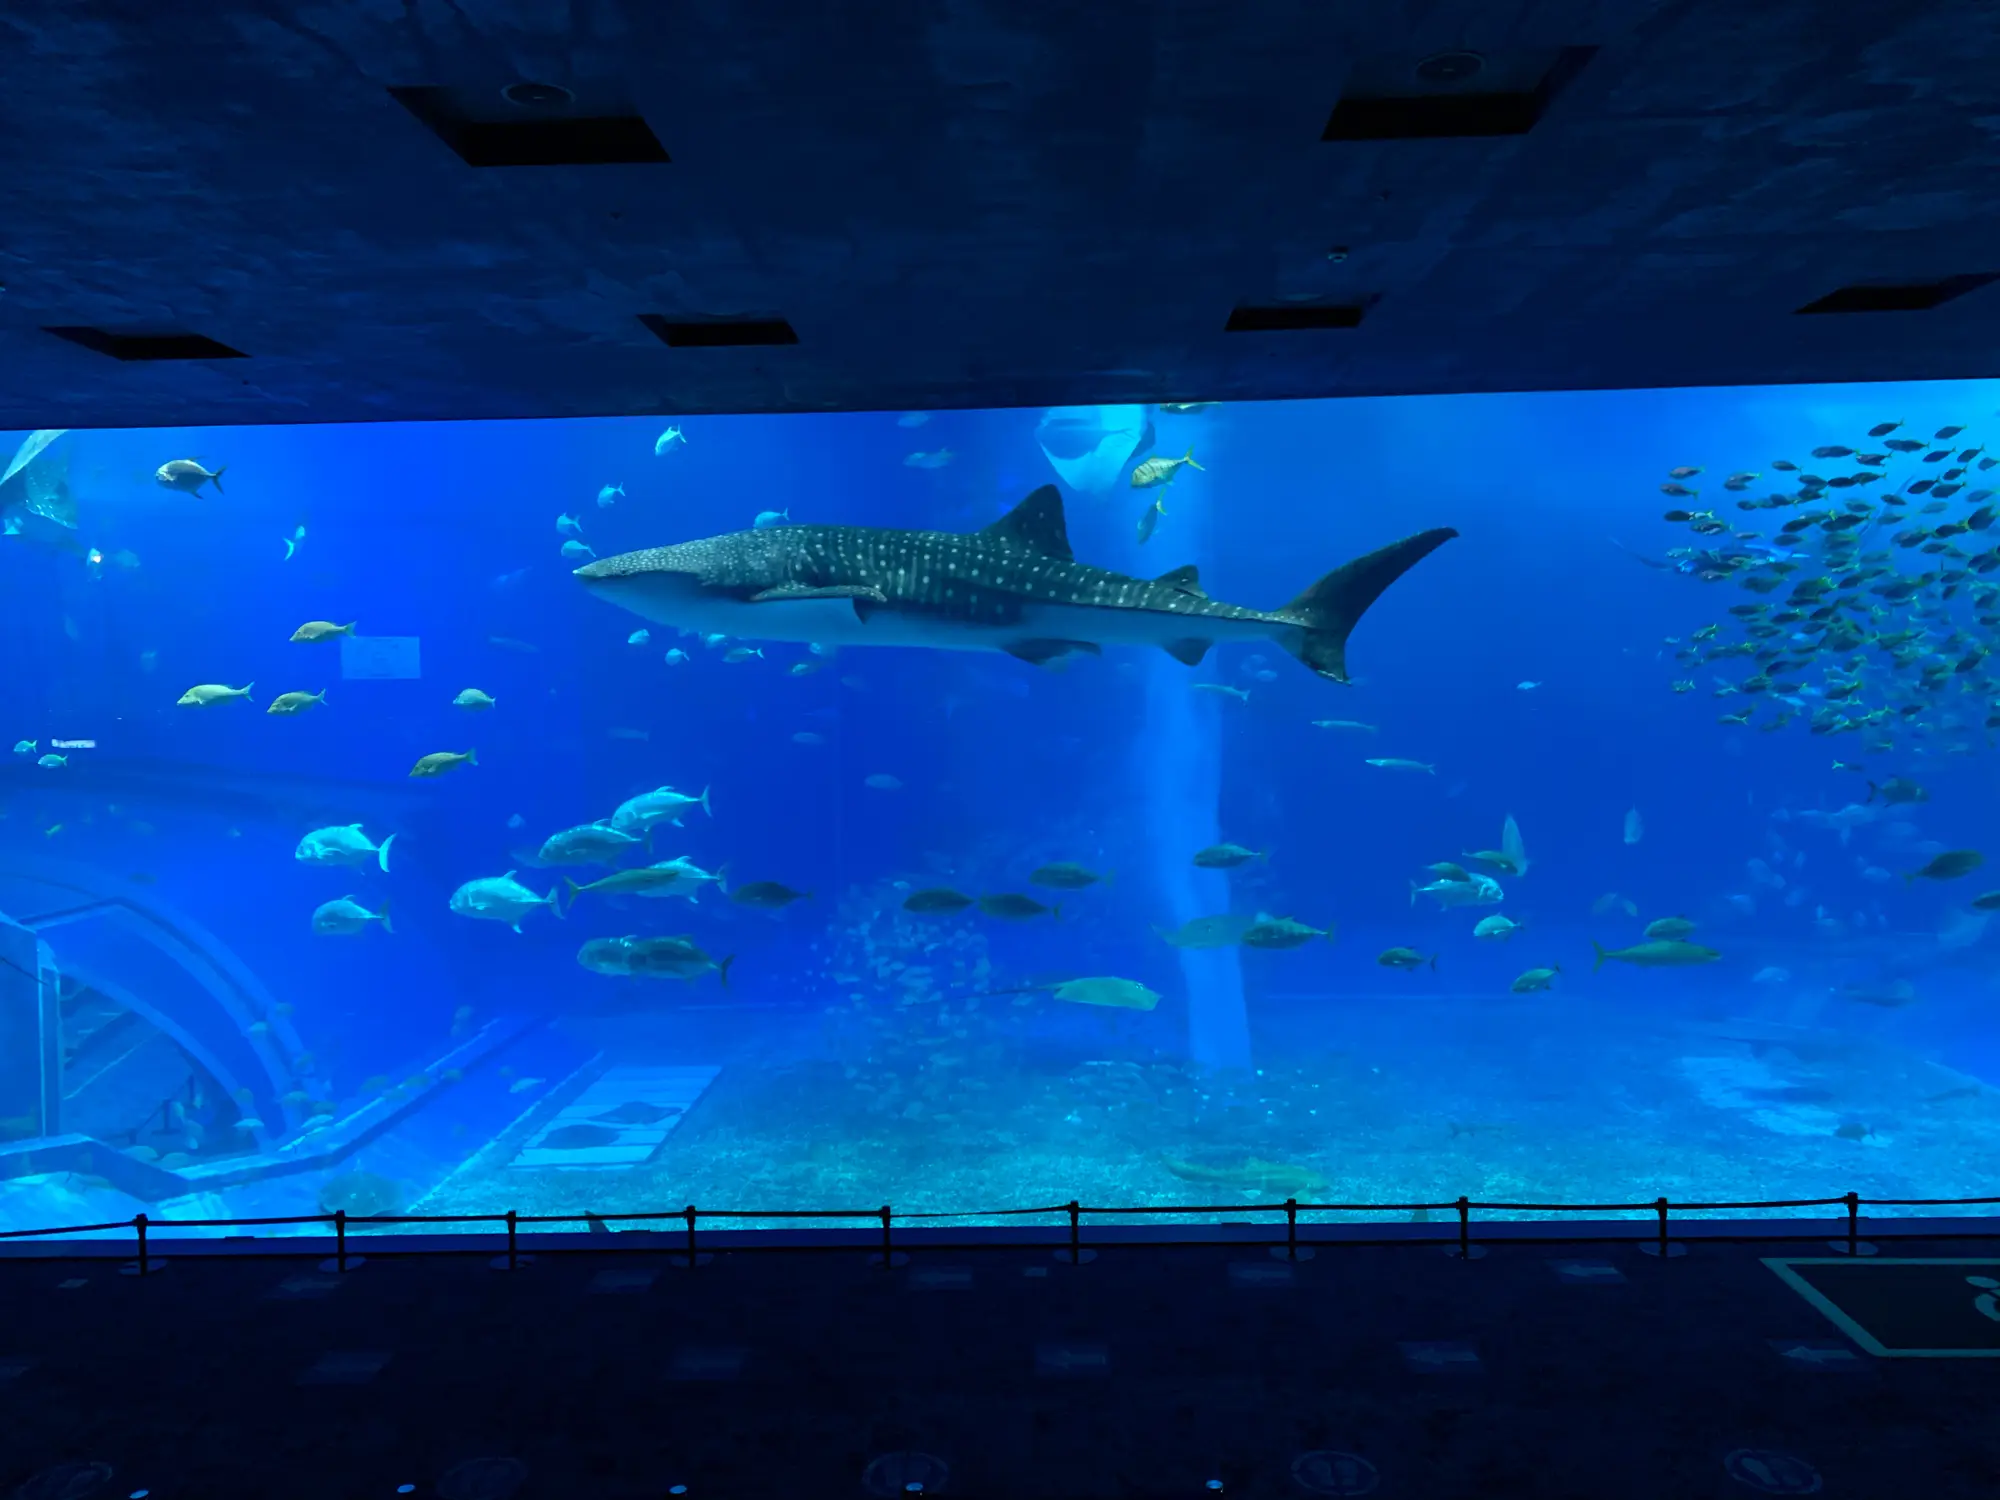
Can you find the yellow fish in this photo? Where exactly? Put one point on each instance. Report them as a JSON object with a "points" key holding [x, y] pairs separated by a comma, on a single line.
{"points": [[1162, 470]]}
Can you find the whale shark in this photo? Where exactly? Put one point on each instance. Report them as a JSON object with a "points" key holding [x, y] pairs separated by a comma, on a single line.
{"points": [[1013, 586]]}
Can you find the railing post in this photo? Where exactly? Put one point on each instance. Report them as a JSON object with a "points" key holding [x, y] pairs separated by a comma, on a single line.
{"points": [[1660, 1207], [139, 1223], [340, 1238], [1075, 1240], [1464, 1207], [1291, 1229], [513, 1240], [689, 1213], [1854, 1225], [885, 1237]]}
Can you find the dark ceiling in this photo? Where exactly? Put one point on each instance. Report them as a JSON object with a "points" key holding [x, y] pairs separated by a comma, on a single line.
{"points": [[966, 204]]}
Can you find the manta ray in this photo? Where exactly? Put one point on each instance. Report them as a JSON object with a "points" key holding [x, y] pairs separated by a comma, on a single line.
{"points": [[1014, 586]]}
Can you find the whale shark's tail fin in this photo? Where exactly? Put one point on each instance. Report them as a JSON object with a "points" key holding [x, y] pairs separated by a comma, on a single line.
{"points": [[1329, 609]]}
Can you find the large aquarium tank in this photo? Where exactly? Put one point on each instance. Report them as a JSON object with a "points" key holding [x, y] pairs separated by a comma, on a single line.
{"points": [[1567, 798]]}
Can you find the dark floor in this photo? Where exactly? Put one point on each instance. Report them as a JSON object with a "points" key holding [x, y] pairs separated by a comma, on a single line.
{"points": [[1535, 1371]]}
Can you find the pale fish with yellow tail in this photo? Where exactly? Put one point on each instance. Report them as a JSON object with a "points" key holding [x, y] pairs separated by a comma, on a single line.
{"points": [[442, 761], [208, 694]]}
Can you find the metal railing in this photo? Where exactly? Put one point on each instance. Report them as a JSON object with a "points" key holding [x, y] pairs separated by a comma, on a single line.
{"points": [[1851, 1204]]}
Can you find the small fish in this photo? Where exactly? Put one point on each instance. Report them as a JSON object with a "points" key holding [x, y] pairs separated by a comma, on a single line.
{"points": [[804, 668], [1406, 959], [1526, 687], [677, 657], [1990, 901], [1354, 724], [343, 845], [1661, 953], [639, 638], [574, 551], [1685, 471], [1066, 876], [1158, 471], [1535, 979], [1149, 520], [1496, 927], [291, 547], [667, 441], [1635, 828], [26, 747], [473, 699], [1222, 687], [1283, 932], [935, 460], [322, 630], [346, 917], [186, 476], [610, 494], [742, 653], [53, 762], [1226, 856], [767, 895], [1392, 763], [1012, 907], [766, 519], [1669, 927], [568, 525], [207, 694], [1950, 865], [882, 781], [295, 703], [508, 643], [1896, 791], [936, 899], [1678, 491], [441, 761]]}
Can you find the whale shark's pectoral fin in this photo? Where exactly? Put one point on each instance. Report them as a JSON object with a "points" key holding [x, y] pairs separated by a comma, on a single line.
{"points": [[866, 598], [1041, 653], [793, 591], [1188, 653], [1186, 579]]}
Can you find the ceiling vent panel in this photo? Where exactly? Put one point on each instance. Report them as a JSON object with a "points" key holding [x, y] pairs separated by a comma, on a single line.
{"points": [[718, 333], [1452, 94], [1907, 296], [523, 124], [146, 346]]}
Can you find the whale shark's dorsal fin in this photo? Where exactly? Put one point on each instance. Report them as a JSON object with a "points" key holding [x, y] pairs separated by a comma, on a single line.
{"points": [[1036, 523], [1187, 579]]}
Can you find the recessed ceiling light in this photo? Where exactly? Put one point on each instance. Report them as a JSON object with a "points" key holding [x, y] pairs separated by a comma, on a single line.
{"points": [[537, 95]]}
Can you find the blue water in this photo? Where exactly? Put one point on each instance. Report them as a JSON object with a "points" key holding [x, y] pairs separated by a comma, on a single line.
{"points": [[859, 1054]]}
